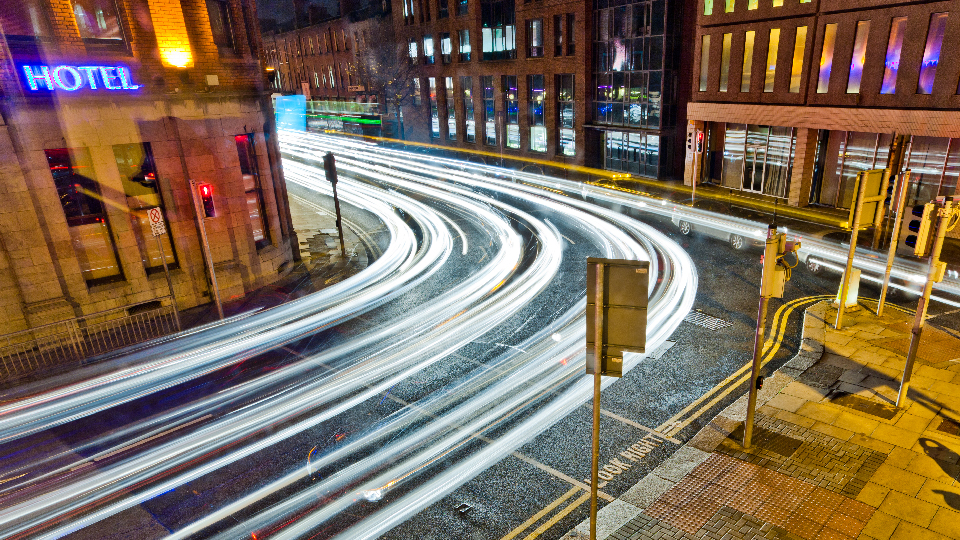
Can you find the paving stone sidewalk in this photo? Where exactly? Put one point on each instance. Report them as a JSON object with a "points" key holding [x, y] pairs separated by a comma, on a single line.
{"points": [[833, 457]]}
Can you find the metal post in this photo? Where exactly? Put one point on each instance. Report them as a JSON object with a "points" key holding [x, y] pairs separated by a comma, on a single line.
{"points": [[855, 230], [205, 246], [166, 270], [894, 238], [946, 213], [769, 260], [330, 167], [597, 355]]}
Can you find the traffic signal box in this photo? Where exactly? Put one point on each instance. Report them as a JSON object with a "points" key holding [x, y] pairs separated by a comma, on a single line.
{"points": [[915, 230], [776, 269], [699, 142], [206, 200]]}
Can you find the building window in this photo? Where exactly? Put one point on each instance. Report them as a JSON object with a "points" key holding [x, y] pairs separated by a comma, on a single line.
{"points": [[489, 112], [826, 58], [139, 178], [413, 50], [434, 109], [753, 4], [757, 158], [536, 92], [333, 82], [934, 163], [729, 6], [498, 29], [770, 71], [408, 11], [316, 80], [704, 61], [464, 43], [725, 62], [98, 22], [558, 35], [466, 86], [451, 109], [416, 92], [428, 50], [708, 7], [747, 60], [463, 7], [566, 136], [220, 24], [845, 154], [891, 63], [796, 69], [535, 38], [636, 153], [859, 57], [79, 193], [446, 47], [444, 9], [571, 45], [931, 53], [251, 188], [511, 105]]}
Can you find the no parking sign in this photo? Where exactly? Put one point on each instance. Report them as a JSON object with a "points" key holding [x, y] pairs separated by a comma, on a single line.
{"points": [[156, 221]]}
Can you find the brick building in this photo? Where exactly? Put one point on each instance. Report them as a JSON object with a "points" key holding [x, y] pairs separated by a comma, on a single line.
{"points": [[795, 97], [108, 108]]}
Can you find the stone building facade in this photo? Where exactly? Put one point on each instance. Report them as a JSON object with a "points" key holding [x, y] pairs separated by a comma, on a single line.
{"points": [[109, 108]]}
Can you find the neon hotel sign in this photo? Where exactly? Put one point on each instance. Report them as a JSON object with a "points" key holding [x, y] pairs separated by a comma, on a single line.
{"points": [[73, 78]]}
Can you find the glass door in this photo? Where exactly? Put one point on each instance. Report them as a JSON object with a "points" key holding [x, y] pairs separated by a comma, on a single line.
{"points": [[754, 161]]}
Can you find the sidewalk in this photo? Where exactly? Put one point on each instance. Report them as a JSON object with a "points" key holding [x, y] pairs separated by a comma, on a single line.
{"points": [[832, 458]]}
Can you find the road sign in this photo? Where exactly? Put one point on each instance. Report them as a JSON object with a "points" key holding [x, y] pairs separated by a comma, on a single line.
{"points": [[622, 317], [155, 215]]}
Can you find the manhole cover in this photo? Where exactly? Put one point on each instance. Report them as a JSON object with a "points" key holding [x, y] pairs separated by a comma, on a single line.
{"points": [[769, 440], [864, 405], [702, 319], [949, 426]]}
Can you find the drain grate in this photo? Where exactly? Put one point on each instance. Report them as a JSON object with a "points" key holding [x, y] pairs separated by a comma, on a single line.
{"points": [[702, 319], [864, 405], [949, 426]]}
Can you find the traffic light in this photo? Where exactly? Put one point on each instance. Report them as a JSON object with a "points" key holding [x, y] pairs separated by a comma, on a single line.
{"points": [[777, 272], [915, 237], [699, 142], [206, 199]]}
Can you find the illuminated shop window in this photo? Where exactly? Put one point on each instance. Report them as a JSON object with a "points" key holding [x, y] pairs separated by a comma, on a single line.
{"points": [[891, 63], [826, 58], [466, 86], [704, 61], [796, 69], [859, 57], [139, 177], [86, 215], [489, 111], [747, 60], [770, 71], [250, 174], [931, 53]]}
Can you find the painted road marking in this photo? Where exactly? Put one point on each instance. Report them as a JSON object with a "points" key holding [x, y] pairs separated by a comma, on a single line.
{"points": [[536, 517], [546, 468], [560, 515], [638, 426]]}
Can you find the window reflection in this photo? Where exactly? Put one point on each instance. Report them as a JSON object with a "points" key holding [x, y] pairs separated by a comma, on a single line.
{"points": [[859, 57], [770, 73], [139, 178], [725, 62], [931, 53], [250, 174], [891, 63], [826, 58], [704, 61], [796, 69], [747, 60]]}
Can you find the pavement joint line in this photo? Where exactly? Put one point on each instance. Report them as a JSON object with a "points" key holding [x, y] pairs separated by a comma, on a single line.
{"points": [[536, 517], [629, 422]]}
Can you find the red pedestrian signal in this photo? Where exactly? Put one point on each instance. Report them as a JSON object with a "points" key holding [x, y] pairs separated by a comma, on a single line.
{"points": [[206, 199], [699, 142]]}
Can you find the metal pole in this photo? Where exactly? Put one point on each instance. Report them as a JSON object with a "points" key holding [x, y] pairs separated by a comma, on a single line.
{"points": [[597, 363], [855, 231], [769, 260], [894, 238], [166, 270], [696, 158], [946, 213], [330, 167], [205, 246], [878, 215]]}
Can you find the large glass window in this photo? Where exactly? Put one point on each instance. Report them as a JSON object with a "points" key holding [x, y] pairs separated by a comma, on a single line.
{"points": [[536, 92], [434, 109], [498, 29], [428, 49], [796, 69], [511, 106], [758, 158], [704, 61], [846, 154], [446, 47], [220, 24], [489, 111], [464, 45], [566, 136], [139, 177], [891, 63], [535, 38], [826, 58], [931, 53], [636, 153], [451, 109], [747, 60], [859, 57], [250, 174], [725, 62], [933, 164], [770, 71], [86, 215], [466, 86]]}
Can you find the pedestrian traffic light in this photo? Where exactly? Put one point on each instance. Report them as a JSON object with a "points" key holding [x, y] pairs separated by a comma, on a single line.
{"points": [[206, 199], [699, 142], [915, 237]]}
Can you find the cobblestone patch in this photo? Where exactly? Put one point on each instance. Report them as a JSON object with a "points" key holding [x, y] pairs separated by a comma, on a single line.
{"points": [[822, 460]]}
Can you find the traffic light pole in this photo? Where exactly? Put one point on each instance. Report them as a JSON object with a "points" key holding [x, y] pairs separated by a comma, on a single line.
{"points": [[854, 232], [894, 238], [946, 213], [205, 247], [330, 167], [597, 352], [770, 253]]}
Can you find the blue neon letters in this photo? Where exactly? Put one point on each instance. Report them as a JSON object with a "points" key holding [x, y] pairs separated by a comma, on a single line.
{"points": [[73, 78]]}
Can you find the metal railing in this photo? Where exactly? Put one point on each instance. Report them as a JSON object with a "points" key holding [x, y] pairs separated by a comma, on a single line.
{"points": [[66, 344]]}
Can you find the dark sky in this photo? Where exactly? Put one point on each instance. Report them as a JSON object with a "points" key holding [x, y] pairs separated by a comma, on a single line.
{"points": [[282, 11]]}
